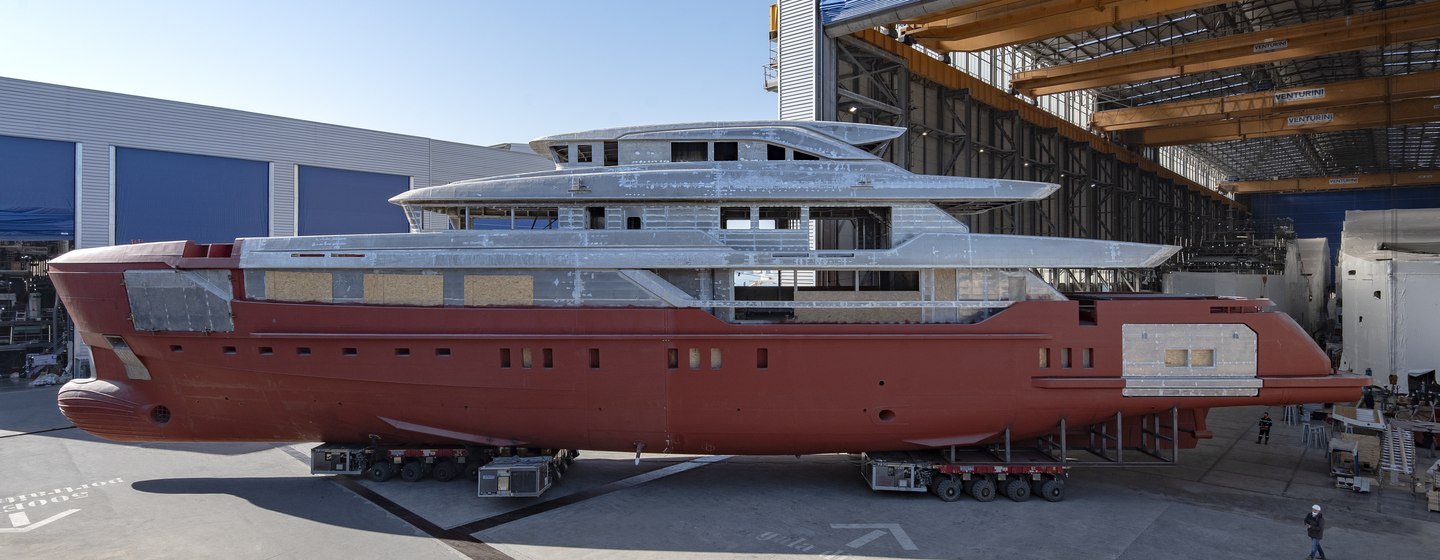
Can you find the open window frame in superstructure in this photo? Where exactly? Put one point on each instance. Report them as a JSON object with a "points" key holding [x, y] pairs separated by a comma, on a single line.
{"points": [[501, 217]]}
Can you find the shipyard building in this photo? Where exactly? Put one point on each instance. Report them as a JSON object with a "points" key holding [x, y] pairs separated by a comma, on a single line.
{"points": [[82, 168]]}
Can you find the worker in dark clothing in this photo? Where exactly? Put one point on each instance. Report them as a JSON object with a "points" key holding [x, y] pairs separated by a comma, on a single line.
{"points": [[1265, 424], [1315, 527]]}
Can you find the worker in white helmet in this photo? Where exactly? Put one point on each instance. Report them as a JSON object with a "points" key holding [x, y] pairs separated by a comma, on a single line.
{"points": [[1315, 527]]}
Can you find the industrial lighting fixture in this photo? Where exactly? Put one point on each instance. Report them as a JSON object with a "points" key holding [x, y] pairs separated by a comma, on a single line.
{"points": [[925, 133], [982, 150], [854, 108], [1027, 164]]}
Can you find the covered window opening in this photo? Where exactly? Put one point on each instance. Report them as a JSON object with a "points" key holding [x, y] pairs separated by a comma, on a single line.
{"points": [[727, 151], [612, 154], [689, 151]]}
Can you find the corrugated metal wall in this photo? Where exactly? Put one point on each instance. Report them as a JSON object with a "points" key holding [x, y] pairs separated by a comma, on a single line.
{"points": [[797, 67], [101, 121]]}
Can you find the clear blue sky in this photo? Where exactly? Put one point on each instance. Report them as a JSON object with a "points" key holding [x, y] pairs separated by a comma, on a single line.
{"points": [[480, 72]]}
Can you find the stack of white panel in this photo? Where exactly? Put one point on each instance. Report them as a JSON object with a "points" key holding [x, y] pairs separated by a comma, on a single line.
{"points": [[1389, 277]]}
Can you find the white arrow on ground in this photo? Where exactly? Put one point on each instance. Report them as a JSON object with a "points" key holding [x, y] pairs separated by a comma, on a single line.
{"points": [[879, 531], [21, 521]]}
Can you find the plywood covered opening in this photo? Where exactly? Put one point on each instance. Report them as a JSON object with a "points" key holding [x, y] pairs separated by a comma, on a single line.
{"points": [[283, 285], [404, 289], [499, 290]]}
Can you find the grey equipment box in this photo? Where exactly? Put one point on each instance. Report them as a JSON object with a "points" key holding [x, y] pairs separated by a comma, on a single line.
{"points": [[339, 458], [515, 477], [892, 473]]}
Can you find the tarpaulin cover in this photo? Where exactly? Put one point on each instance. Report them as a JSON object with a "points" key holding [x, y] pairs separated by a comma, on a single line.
{"points": [[341, 201], [37, 189], [1391, 298]]}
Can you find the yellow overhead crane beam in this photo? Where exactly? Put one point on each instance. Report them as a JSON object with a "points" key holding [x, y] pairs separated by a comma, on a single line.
{"points": [[1268, 103], [1012, 22], [1362, 181], [1348, 33], [927, 67], [1329, 119]]}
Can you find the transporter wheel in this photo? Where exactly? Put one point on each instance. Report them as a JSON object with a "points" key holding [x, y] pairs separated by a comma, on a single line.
{"points": [[1017, 489], [445, 471], [982, 489], [1053, 490], [379, 472], [949, 489], [413, 471]]}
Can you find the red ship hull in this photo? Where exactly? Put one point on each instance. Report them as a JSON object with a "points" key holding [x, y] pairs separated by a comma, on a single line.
{"points": [[612, 378]]}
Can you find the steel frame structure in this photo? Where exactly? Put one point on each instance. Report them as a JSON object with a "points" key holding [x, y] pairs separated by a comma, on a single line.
{"points": [[953, 132]]}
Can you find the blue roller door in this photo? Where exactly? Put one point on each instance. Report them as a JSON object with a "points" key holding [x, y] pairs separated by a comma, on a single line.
{"points": [[335, 201], [167, 196], [37, 189]]}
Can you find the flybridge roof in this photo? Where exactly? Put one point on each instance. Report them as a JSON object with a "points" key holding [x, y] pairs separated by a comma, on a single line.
{"points": [[813, 181], [845, 134]]}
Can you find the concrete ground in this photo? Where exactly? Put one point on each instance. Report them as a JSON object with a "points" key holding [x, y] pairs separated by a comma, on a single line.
{"points": [[66, 494]]}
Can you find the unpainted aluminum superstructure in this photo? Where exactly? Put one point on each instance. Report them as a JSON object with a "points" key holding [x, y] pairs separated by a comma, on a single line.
{"points": [[667, 215]]}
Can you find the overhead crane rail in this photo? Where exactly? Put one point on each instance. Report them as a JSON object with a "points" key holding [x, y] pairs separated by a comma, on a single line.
{"points": [[1267, 103], [999, 23], [1336, 182], [1342, 34], [1410, 111]]}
